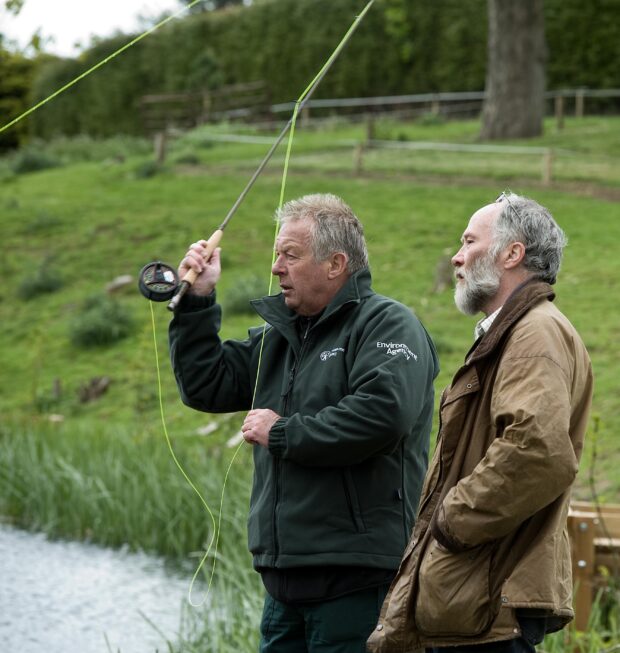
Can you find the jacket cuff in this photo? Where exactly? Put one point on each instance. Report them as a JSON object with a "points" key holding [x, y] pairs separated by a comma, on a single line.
{"points": [[277, 437], [191, 303], [443, 537]]}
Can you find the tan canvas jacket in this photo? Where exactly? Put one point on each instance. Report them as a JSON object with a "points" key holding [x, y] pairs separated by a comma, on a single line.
{"points": [[491, 533]]}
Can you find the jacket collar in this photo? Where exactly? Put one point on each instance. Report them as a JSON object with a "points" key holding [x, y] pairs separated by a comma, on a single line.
{"points": [[275, 312], [522, 299]]}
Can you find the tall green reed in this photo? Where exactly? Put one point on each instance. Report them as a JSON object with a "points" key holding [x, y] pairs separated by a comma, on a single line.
{"points": [[117, 486]]}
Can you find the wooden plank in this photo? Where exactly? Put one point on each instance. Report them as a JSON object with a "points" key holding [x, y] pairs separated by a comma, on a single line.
{"points": [[581, 530], [610, 513], [590, 507], [170, 97], [606, 544]]}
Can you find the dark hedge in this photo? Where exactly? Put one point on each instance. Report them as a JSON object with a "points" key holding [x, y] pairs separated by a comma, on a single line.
{"points": [[402, 47]]}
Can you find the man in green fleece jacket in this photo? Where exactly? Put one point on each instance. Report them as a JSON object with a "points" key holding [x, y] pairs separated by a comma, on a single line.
{"points": [[339, 423]]}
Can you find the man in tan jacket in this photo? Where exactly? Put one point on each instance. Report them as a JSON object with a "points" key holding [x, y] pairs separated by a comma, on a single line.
{"points": [[488, 567]]}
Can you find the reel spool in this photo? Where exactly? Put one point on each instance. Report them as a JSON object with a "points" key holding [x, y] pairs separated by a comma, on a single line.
{"points": [[158, 281]]}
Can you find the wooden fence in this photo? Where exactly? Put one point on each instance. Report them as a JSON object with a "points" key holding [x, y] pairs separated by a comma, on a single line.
{"points": [[451, 103], [251, 101], [167, 111], [595, 542]]}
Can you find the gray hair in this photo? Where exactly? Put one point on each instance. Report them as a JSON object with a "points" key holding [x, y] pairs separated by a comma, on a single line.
{"points": [[524, 220], [334, 228]]}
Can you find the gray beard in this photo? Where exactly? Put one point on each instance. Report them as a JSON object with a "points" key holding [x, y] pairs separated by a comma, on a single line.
{"points": [[479, 285]]}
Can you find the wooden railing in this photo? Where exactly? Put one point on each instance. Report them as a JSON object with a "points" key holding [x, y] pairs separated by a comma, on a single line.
{"points": [[595, 541]]}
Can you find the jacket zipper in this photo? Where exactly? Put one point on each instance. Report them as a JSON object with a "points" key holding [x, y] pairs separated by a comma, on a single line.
{"points": [[276, 461]]}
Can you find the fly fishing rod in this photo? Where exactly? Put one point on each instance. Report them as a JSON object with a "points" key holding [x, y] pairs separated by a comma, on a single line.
{"points": [[160, 282]]}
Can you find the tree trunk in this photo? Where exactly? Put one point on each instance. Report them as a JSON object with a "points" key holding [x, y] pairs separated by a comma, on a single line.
{"points": [[515, 82]]}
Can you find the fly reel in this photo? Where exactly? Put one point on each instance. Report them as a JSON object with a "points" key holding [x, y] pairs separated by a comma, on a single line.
{"points": [[158, 281]]}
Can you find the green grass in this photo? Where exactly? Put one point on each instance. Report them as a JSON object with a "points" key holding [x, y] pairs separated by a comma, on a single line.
{"points": [[93, 220], [585, 151], [103, 223]]}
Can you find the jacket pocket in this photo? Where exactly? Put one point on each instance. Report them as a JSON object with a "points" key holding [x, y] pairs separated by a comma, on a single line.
{"points": [[353, 502], [453, 592]]}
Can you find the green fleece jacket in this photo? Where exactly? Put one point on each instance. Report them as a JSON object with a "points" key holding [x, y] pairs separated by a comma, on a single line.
{"points": [[340, 481]]}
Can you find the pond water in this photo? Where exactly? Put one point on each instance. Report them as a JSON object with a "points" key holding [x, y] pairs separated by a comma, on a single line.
{"points": [[68, 597]]}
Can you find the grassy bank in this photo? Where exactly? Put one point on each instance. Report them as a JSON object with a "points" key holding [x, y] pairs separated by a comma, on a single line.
{"points": [[98, 467]]}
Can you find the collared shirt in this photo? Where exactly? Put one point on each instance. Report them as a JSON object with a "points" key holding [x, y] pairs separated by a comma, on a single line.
{"points": [[485, 324]]}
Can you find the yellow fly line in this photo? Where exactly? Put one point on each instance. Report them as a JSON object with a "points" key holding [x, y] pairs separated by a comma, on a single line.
{"points": [[217, 529], [98, 65], [299, 103]]}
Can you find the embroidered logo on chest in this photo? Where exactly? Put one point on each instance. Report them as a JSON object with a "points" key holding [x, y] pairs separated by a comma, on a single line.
{"points": [[326, 355]]}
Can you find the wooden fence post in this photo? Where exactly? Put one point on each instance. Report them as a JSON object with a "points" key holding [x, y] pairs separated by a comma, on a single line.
{"points": [[579, 102], [370, 129], [358, 158], [547, 166], [160, 147], [559, 112], [582, 529]]}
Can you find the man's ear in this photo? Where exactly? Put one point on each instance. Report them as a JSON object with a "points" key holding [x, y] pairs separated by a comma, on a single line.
{"points": [[337, 265], [513, 255]]}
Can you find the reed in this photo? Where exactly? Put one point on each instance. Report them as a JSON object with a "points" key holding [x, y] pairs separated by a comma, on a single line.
{"points": [[119, 487]]}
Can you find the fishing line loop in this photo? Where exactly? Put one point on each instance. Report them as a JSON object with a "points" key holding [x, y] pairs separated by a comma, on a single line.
{"points": [[292, 123]]}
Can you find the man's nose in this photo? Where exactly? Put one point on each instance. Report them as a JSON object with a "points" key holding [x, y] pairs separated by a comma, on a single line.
{"points": [[277, 268], [457, 259]]}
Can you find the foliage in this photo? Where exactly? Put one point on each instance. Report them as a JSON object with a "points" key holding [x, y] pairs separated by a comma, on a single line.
{"points": [[401, 47], [147, 169], [210, 5], [45, 280], [86, 148], [238, 297], [602, 634], [16, 75], [32, 159], [102, 321], [14, 6], [577, 57]]}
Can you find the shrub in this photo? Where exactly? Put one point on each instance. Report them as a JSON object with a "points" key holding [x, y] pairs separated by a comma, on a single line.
{"points": [[42, 222], [146, 170], [31, 160], [187, 158], [101, 322], [86, 148], [237, 299], [45, 280]]}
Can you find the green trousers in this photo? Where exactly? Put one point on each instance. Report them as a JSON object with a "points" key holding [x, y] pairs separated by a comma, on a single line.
{"points": [[340, 625]]}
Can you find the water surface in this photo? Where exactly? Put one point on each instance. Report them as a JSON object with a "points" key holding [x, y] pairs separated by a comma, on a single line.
{"points": [[68, 597]]}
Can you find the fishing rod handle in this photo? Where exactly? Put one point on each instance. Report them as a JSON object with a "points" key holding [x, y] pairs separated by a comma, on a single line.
{"points": [[192, 275]]}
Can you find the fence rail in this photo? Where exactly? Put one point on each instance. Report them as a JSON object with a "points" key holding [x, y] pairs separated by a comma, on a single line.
{"points": [[250, 102], [435, 99]]}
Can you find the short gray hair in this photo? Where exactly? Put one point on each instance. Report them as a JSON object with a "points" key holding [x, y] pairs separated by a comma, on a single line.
{"points": [[524, 220], [334, 227]]}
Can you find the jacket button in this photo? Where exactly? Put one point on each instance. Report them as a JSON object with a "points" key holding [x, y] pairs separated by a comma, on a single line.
{"points": [[469, 386], [504, 599], [380, 627]]}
